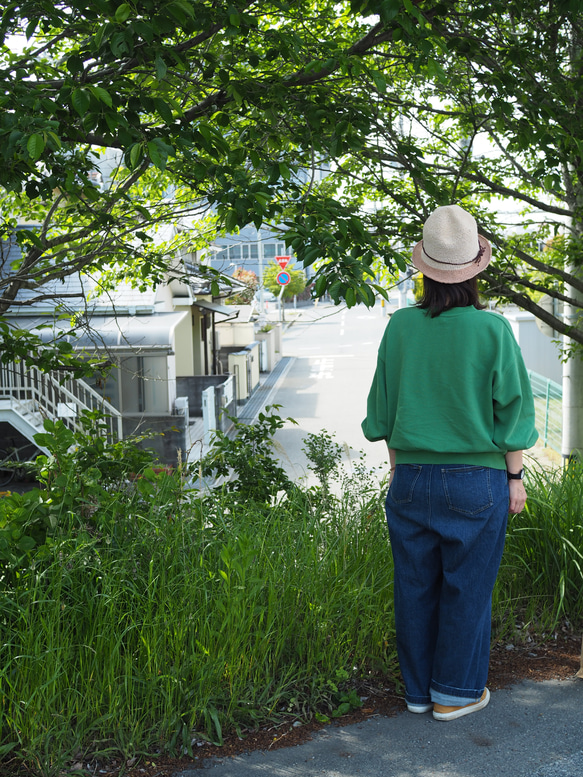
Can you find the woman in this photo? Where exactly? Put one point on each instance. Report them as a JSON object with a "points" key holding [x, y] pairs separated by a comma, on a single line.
{"points": [[452, 399]]}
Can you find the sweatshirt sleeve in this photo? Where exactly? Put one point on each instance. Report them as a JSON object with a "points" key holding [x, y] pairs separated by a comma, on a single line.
{"points": [[375, 425], [514, 416]]}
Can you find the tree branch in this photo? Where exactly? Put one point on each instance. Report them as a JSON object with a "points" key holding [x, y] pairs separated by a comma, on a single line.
{"points": [[498, 286], [567, 277]]}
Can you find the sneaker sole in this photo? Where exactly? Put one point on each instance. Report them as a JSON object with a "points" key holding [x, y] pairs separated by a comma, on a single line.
{"points": [[419, 708], [467, 710]]}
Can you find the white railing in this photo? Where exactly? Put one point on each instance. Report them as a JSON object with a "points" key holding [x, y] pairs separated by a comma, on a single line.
{"points": [[57, 395], [548, 406]]}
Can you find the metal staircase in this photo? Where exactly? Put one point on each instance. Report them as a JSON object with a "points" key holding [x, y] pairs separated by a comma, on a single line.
{"points": [[28, 396]]}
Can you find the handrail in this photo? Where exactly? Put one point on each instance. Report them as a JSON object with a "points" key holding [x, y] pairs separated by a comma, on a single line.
{"points": [[548, 398], [58, 396]]}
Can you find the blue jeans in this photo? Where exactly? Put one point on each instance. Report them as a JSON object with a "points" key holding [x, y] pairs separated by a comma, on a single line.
{"points": [[447, 526]]}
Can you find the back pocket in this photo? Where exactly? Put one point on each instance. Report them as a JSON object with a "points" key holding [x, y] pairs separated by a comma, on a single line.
{"points": [[467, 489], [403, 483]]}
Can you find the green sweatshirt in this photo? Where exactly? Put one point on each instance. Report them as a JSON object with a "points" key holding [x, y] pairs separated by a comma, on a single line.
{"points": [[450, 389]]}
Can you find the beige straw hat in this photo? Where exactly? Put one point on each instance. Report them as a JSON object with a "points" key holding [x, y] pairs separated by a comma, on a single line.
{"points": [[451, 251]]}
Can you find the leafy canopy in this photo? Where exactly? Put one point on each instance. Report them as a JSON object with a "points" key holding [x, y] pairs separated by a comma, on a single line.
{"points": [[189, 107], [213, 115]]}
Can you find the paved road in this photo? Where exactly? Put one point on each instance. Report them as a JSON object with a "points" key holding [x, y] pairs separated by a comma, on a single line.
{"points": [[531, 730], [334, 352]]}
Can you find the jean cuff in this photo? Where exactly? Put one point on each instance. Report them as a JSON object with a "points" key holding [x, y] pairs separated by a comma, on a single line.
{"points": [[457, 697]]}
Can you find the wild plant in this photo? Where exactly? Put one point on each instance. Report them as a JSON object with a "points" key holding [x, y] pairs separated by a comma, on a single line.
{"points": [[324, 455], [541, 577], [244, 459]]}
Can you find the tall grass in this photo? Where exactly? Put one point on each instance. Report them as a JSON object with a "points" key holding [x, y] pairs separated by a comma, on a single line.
{"points": [[541, 579], [209, 615]]}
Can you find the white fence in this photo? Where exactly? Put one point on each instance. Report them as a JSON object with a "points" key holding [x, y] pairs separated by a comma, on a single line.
{"points": [[57, 395]]}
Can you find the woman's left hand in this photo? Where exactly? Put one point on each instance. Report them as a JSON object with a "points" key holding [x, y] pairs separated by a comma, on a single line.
{"points": [[517, 496]]}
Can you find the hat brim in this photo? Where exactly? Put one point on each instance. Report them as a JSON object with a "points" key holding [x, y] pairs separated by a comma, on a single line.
{"points": [[451, 273]]}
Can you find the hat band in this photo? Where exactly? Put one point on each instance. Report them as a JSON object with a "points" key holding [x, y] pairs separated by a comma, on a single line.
{"points": [[476, 258]]}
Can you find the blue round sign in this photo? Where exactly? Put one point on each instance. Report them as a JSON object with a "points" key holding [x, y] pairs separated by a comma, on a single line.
{"points": [[283, 278]]}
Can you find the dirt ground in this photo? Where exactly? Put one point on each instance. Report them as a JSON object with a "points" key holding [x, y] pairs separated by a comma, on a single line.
{"points": [[558, 658]]}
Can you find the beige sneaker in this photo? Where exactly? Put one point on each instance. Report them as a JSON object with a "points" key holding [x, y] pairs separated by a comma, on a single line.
{"points": [[440, 712]]}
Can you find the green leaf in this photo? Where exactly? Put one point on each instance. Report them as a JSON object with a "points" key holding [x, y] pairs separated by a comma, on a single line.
{"points": [[136, 153], [161, 68], [163, 109], [379, 80], [81, 100], [321, 285], [75, 64], [31, 28], [186, 7], [26, 544], [144, 212], [102, 95], [158, 151], [311, 255], [231, 220], [381, 291], [123, 13], [35, 146], [55, 138]]}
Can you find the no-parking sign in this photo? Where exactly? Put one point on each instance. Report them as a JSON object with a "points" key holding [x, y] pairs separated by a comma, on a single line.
{"points": [[283, 278]]}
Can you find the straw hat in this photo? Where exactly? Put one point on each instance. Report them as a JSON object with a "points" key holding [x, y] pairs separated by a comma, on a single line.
{"points": [[451, 251]]}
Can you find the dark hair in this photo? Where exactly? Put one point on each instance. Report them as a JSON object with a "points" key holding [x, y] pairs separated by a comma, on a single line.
{"points": [[439, 297]]}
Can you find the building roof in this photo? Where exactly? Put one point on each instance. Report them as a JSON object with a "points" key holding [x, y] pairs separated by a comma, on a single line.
{"points": [[129, 333]]}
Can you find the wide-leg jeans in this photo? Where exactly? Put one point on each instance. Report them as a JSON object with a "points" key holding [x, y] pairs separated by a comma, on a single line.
{"points": [[447, 525]]}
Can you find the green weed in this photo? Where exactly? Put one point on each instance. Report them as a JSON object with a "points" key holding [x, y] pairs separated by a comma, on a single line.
{"points": [[541, 578]]}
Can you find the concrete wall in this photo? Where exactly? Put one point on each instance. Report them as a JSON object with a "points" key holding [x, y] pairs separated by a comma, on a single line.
{"points": [[170, 434], [272, 340], [193, 386], [199, 343], [540, 353], [184, 345], [233, 333]]}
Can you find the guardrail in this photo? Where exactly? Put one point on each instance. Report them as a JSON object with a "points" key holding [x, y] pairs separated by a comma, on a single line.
{"points": [[548, 405]]}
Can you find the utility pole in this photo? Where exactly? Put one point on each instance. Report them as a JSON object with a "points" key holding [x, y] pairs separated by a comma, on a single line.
{"points": [[572, 442], [572, 439], [261, 320]]}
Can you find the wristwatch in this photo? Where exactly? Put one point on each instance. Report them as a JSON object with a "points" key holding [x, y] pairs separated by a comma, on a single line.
{"points": [[516, 475]]}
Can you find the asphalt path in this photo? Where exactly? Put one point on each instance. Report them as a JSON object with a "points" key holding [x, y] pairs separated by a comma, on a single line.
{"points": [[529, 730], [334, 351]]}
